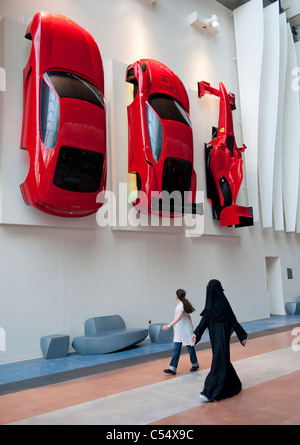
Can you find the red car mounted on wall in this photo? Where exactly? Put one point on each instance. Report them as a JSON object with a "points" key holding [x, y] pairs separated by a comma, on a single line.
{"points": [[63, 127], [160, 143], [224, 164]]}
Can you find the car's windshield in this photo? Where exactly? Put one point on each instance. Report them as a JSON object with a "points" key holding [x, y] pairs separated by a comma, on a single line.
{"points": [[161, 106], [73, 86], [168, 108]]}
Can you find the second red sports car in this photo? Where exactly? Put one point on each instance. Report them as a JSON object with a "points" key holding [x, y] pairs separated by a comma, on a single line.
{"points": [[160, 144]]}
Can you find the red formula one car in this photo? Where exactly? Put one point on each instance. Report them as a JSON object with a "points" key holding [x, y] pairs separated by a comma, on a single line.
{"points": [[63, 118], [224, 164], [160, 142]]}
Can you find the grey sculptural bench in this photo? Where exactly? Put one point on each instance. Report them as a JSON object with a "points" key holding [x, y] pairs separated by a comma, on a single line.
{"points": [[107, 334], [293, 307]]}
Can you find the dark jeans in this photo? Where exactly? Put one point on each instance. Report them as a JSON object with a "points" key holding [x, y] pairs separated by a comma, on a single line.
{"points": [[176, 355]]}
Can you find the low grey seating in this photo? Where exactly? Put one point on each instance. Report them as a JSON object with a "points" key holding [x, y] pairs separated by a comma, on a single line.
{"points": [[293, 308], [107, 334], [157, 335], [55, 346]]}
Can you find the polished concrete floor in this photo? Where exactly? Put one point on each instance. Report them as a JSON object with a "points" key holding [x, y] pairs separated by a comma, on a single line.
{"points": [[130, 387]]}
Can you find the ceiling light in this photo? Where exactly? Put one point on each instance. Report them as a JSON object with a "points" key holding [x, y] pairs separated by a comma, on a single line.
{"points": [[214, 21], [210, 25]]}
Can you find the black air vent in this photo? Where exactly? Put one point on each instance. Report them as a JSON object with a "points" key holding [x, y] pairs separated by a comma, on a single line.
{"points": [[130, 73], [177, 175], [78, 170], [164, 79]]}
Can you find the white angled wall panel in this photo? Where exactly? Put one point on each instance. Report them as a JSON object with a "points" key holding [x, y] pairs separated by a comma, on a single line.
{"points": [[248, 24], [290, 148], [268, 111], [277, 183], [296, 85]]}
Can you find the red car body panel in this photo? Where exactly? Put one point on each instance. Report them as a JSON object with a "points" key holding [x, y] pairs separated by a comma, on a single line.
{"points": [[160, 141], [64, 125], [224, 164]]}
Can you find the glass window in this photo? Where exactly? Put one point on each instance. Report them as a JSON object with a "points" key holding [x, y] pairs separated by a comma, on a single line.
{"points": [[78, 170], [168, 108], [70, 85], [49, 115], [155, 132]]}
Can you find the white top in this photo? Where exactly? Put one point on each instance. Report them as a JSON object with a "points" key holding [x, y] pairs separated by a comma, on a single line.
{"points": [[183, 330]]}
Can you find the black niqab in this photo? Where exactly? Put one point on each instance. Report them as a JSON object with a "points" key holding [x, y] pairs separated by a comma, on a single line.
{"points": [[216, 305]]}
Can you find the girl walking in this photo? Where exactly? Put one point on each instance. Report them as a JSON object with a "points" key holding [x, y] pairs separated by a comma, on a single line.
{"points": [[183, 333]]}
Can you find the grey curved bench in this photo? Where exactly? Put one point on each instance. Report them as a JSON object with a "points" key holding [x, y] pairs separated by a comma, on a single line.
{"points": [[293, 307], [157, 335], [107, 334]]}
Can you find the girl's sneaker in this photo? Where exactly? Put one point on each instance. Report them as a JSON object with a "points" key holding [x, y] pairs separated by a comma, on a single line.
{"points": [[169, 371]]}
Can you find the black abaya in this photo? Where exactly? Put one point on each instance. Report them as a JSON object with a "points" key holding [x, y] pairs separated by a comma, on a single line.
{"points": [[222, 380]]}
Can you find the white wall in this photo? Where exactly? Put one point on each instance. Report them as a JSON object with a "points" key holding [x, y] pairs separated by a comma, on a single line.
{"points": [[54, 278]]}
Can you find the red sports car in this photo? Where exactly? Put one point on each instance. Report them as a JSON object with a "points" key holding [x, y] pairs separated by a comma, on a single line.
{"points": [[224, 164], [160, 141], [63, 126]]}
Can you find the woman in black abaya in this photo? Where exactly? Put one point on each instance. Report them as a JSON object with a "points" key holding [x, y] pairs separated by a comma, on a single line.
{"points": [[222, 380]]}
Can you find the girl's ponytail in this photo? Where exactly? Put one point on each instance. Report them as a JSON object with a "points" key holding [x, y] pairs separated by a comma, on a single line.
{"points": [[187, 307]]}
